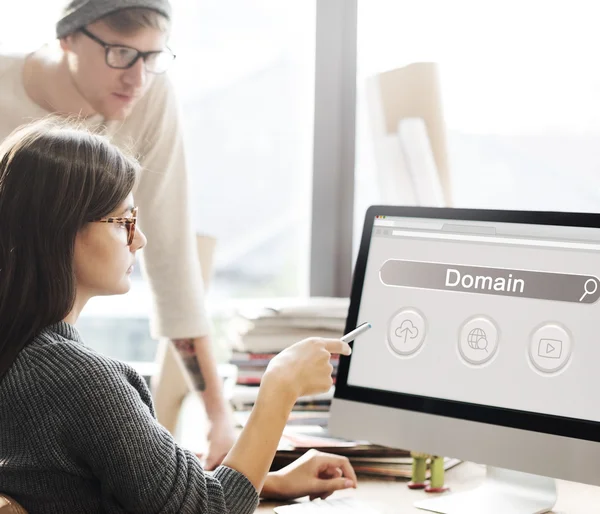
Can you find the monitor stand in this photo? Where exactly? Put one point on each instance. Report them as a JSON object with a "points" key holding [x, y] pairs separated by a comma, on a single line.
{"points": [[502, 492]]}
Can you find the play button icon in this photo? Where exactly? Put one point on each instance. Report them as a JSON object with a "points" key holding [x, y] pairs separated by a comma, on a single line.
{"points": [[550, 348]]}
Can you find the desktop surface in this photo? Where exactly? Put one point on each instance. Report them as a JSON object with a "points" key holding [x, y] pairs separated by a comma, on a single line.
{"points": [[394, 497]]}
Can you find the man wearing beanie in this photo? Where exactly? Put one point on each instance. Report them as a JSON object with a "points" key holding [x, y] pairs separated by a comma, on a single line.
{"points": [[126, 95]]}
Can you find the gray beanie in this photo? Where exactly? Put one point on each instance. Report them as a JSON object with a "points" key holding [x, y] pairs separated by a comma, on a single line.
{"points": [[79, 13]]}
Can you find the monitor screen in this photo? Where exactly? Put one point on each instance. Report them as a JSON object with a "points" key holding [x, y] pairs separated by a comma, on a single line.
{"points": [[487, 316]]}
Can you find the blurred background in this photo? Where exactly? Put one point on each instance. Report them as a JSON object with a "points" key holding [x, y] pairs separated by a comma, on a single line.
{"points": [[517, 89]]}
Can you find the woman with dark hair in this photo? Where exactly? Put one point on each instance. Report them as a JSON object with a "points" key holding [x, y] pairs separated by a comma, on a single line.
{"points": [[77, 429]]}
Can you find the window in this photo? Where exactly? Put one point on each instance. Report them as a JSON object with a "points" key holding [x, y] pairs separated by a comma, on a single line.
{"points": [[520, 96], [245, 76]]}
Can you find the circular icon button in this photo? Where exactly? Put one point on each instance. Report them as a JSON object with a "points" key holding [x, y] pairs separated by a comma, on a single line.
{"points": [[406, 332], [550, 348], [478, 340]]}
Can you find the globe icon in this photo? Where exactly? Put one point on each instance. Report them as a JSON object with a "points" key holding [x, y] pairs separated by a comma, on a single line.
{"points": [[477, 339]]}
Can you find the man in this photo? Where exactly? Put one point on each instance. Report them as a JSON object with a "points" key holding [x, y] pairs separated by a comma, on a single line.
{"points": [[108, 68]]}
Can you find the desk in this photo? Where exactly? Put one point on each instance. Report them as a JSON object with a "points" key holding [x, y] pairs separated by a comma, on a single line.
{"points": [[573, 498]]}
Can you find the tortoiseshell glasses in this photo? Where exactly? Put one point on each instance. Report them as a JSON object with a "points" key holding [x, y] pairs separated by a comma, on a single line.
{"points": [[129, 222]]}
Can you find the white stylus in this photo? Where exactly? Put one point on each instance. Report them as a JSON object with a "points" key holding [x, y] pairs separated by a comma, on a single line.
{"points": [[351, 336]]}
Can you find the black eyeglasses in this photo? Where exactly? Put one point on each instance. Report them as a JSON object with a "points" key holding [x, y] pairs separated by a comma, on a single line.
{"points": [[124, 57]]}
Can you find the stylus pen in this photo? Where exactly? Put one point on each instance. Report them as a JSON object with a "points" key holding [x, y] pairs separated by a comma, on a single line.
{"points": [[351, 336]]}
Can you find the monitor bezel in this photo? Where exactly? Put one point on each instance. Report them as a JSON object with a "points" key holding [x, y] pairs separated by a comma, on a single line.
{"points": [[543, 423]]}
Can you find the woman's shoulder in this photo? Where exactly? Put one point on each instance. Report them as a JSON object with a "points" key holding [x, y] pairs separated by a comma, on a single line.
{"points": [[62, 361]]}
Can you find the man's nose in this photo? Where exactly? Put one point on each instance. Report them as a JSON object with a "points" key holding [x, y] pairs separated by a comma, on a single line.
{"points": [[136, 75]]}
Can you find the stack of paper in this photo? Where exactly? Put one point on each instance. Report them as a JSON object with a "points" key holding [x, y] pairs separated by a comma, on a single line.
{"points": [[244, 398], [303, 433], [274, 327], [264, 331], [366, 459]]}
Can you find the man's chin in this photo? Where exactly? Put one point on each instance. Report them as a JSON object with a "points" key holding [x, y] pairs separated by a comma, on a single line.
{"points": [[115, 113]]}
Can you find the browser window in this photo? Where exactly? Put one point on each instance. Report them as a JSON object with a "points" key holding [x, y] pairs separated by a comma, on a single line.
{"points": [[496, 314]]}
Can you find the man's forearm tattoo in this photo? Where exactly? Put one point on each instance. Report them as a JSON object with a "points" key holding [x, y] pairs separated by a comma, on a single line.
{"points": [[187, 351]]}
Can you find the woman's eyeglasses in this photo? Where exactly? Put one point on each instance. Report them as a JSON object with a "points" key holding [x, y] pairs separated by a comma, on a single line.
{"points": [[129, 222], [124, 57]]}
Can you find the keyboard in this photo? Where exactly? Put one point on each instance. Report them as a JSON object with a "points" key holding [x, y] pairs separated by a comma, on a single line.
{"points": [[336, 506]]}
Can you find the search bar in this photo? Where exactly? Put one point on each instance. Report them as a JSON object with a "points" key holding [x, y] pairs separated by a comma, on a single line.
{"points": [[540, 285]]}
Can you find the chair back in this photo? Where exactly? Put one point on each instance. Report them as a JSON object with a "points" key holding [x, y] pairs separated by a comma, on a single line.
{"points": [[10, 506]]}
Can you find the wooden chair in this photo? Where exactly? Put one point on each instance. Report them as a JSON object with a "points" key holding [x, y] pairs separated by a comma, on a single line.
{"points": [[10, 506]]}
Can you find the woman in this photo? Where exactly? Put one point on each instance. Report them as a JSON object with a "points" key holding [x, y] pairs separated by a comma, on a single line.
{"points": [[77, 430]]}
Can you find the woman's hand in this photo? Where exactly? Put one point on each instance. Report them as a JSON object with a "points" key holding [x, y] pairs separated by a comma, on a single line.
{"points": [[300, 370], [315, 474], [305, 367]]}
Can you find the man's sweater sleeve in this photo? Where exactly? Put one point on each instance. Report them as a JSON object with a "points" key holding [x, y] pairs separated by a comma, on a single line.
{"points": [[112, 430], [170, 257]]}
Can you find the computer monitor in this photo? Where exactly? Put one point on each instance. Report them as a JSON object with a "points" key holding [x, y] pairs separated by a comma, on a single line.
{"points": [[485, 346]]}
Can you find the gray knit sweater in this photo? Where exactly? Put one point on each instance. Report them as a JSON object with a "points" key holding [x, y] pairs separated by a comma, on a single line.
{"points": [[78, 435]]}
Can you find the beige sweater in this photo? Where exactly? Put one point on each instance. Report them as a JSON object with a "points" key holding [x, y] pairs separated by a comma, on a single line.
{"points": [[153, 134]]}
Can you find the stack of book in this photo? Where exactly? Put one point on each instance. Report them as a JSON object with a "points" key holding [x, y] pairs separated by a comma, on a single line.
{"points": [[252, 366], [302, 434], [366, 459], [244, 398], [272, 328], [263, 332]]}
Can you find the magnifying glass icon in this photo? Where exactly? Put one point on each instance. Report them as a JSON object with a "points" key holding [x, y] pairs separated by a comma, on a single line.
{"points": [[590, 287]]}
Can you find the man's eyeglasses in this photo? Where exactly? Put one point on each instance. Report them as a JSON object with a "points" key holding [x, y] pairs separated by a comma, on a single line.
{"points": [[129, 222], [124, 57]]}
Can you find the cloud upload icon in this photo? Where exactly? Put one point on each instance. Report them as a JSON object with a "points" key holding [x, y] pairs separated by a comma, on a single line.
{"points": [[407, 330]]}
